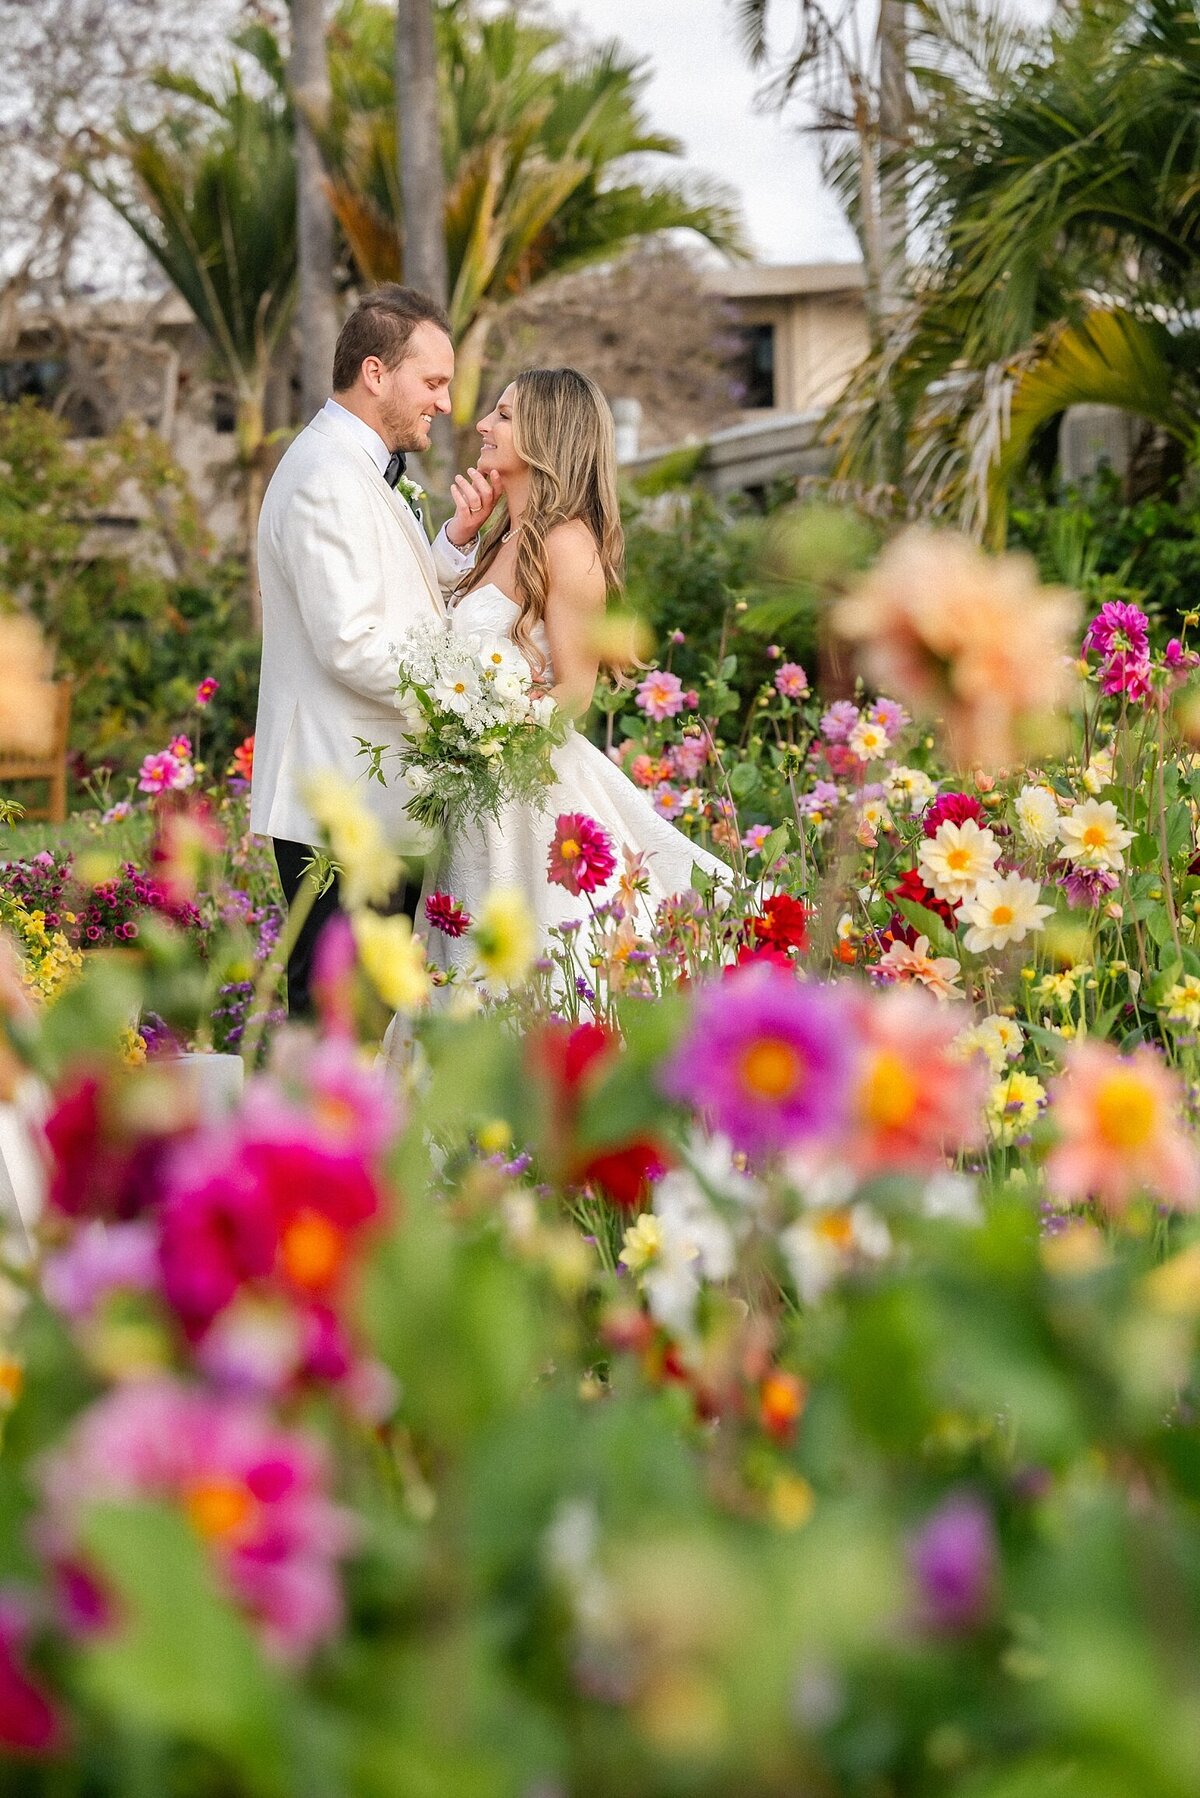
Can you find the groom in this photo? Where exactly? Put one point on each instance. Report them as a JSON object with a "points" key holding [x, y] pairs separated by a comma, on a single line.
{"points": [[346, 568]]}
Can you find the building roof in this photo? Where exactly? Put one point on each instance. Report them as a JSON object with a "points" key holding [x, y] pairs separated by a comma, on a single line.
{"points": [[766, 280]]}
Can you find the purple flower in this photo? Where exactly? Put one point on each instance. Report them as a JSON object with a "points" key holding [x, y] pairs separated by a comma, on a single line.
{"points": [[953, 1559], [767, 1056], [99, 1262], [1085, 887], [839, 720], [823, 797], [1118, 629]]}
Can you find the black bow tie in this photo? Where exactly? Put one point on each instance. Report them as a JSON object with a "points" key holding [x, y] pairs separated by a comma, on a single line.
{"points": [[394, 469]]}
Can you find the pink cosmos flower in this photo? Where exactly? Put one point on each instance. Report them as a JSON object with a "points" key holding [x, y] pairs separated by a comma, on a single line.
{"points": [[660, 695], [767, 1057], [180, 747], [447, 914], [207, 691], [164, 773], [667, 800], [1120, 1132], [582, 858], [891, 715], [253, 1493], [755, 837], [791, 681]]}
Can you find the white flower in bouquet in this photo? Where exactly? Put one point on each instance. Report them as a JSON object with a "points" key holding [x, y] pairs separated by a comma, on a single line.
{"points": [[456, 689], [500, 656], [543, 710]]}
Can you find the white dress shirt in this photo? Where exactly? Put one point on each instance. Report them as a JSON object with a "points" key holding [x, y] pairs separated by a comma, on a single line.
{"points": [[362, 433]]}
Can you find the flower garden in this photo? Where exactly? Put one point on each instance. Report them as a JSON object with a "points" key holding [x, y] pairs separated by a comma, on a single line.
{"points": [[748, 1348]]}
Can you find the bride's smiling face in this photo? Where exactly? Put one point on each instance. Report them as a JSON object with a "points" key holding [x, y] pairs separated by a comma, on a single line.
{"points": [[497, 454]]}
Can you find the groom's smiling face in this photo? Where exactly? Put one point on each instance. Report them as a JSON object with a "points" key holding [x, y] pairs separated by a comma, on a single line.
{"points": [[411, 394]]}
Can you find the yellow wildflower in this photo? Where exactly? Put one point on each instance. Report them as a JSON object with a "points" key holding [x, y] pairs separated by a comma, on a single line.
{"points": [[393, 959], [504, 937]]}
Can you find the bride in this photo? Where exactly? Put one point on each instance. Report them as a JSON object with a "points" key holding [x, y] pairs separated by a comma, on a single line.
{"points": [[542, 578]]}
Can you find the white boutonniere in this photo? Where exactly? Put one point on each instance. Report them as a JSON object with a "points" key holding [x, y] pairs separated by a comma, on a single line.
{"points": [[413, 494]]}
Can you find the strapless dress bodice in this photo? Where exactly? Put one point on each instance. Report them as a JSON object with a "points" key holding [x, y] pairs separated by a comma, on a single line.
{"points": [[487, 612]]}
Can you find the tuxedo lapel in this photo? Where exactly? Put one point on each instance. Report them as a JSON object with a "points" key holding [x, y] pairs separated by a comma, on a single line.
{"points": [[397, 505]]}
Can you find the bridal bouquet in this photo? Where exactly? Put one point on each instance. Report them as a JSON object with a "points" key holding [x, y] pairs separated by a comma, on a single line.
{"points": [[477, 735]]}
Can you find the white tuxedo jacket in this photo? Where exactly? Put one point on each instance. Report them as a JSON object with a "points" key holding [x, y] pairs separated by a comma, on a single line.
{"points": [[345, 568]]}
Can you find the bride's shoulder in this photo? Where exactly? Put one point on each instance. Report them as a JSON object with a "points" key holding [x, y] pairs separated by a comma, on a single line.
{"points": [[573, 562]]}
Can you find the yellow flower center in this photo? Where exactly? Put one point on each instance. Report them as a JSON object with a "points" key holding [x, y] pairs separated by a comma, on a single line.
{"points": [[771, 1068], [837, 1229], [1002, 914], [958, 859], [1126, 1111], [569, 849], [1095, 836], [312, 1250], [218, 1509], [889, 1092]]}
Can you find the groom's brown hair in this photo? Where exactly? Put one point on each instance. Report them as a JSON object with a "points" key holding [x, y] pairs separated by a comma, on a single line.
{"points": [[381, 325]]}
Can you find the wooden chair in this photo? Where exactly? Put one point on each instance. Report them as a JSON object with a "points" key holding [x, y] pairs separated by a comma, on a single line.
{"points": [[51, 767]]}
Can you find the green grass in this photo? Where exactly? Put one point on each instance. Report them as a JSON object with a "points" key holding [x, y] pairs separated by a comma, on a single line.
{"points": [[128, 840]]}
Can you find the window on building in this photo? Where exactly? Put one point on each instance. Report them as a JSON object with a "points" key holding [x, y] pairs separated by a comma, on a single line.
{"points": [[41, 379], [754, 366]]}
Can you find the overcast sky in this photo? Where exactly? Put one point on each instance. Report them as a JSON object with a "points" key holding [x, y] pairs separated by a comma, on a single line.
{"points": [[703, 92]]}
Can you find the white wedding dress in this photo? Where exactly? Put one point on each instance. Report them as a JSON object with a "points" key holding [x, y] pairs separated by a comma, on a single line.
{"points": [[513, 851]]}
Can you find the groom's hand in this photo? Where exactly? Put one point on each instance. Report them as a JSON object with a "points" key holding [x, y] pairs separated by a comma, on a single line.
{"points": [[474, 497]]}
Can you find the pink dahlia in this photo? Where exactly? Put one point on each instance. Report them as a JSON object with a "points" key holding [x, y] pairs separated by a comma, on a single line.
{"points": [[791, 681], [952, 808], [581, 857], [916, 1102], [447, 914], [255, 1495], [767, 1057], [660, 695], [207, 691], [839, 720]]}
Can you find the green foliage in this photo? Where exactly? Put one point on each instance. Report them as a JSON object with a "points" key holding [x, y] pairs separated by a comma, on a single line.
{"points": [[1109, 547], [135, 640]]}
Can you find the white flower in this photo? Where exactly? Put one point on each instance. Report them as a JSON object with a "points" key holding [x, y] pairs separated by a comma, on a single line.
{"points": [[953, 862], [543, 710], [954, 1197], [1036, 812], [822, 1246], [1093, 836], [1003, 911], [909, 787], [868, 740], [1099, 771], [499, 655], [1000, 1039], [685, 1242], [456, 689]]}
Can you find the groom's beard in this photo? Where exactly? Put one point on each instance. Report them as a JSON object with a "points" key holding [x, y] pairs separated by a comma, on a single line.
{"points": [[406, 433]]}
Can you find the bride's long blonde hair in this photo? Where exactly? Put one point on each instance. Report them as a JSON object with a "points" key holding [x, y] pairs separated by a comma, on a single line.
{"points": [[563, 429]]}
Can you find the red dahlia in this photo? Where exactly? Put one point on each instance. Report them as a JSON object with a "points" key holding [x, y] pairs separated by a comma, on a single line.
{"points": [[447, 914], [951, 808], [783, 924]]}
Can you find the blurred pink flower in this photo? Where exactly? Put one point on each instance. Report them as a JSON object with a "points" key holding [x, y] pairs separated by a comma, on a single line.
{"points": [[207, 690], [1120, 1131], [916, 1101], [99, 1261], [254, 1494]]}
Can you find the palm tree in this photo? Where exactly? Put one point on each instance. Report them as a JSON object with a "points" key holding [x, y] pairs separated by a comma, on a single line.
{"points": [[317, 312], [537, 142], [1061, 200], [211, 192], [422, 178]]}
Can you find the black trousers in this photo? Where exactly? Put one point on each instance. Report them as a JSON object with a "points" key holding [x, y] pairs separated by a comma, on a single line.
{"points": [[291, 859]]}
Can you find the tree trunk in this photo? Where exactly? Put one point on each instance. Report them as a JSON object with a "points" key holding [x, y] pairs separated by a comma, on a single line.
{"points": [[317, 313], [423, 184], [419, 138], [893, 141]]}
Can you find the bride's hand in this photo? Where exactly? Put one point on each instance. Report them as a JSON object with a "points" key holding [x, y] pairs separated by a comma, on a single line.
{"points": [[474, 497]]}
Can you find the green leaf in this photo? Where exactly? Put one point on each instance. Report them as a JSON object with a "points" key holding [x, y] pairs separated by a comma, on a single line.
{"points": [[181, 1660], [928, 924]]}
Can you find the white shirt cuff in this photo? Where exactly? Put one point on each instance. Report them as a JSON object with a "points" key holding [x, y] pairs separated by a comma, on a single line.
{"points": [[464, 558]]}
